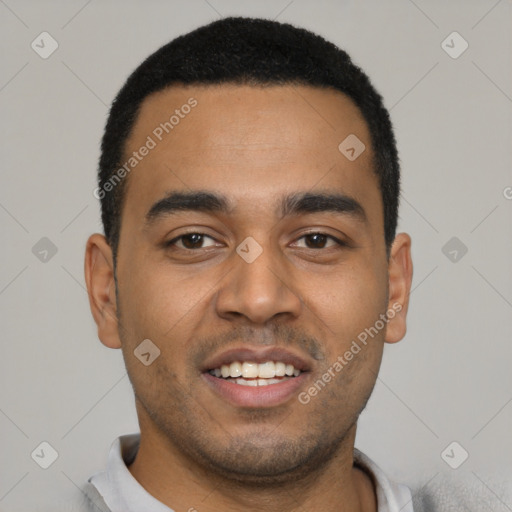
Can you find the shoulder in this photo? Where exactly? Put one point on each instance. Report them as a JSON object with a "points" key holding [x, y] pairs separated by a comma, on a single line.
{"points": [[450, 492], [85, 499]]}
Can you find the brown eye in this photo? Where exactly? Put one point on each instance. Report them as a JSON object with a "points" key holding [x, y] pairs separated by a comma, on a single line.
{"points": [[190, 241], [319, 240], [316, 241]]}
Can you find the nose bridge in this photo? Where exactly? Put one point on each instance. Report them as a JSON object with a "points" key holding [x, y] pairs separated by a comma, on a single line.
{"points": [[257, 286]]}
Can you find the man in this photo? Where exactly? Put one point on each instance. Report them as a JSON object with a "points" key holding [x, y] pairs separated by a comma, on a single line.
{"points": [[250, 272]]}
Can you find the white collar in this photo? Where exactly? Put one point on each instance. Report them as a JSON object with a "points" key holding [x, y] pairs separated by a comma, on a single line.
{"points": [[118, 487], [123, 493], [391, 497]]}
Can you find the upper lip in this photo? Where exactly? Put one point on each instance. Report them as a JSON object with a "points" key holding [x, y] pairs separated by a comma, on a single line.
{"points": [[257, 355]]}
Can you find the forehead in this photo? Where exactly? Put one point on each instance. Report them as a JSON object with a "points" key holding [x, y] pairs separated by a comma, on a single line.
{"points": [[273, 115], [247, 142]]}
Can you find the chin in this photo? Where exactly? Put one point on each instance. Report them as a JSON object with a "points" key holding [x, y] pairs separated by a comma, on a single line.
{"points": [[258, 462]]}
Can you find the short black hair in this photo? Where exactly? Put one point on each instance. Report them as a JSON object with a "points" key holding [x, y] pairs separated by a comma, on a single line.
{"points": [[246, 51]]}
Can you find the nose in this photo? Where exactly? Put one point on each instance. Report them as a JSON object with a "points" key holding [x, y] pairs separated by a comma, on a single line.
{"points": [[258, 289]]}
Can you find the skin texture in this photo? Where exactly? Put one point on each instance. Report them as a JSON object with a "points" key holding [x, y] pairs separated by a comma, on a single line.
{"points": [[253, 145]]}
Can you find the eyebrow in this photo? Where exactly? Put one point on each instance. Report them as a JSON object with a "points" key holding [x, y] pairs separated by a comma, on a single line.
{"points": [[293, 204]]}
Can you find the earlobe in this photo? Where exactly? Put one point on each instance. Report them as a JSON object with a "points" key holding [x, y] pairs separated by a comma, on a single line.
{"points": [[400, 278], [99, 278]]}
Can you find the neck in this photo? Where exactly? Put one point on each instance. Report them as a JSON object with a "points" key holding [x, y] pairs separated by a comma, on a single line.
{"points": [[183, 484]]}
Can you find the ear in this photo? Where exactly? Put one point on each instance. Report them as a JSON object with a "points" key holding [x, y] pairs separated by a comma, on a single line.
{"points": [[99, 278], [400, 278]]}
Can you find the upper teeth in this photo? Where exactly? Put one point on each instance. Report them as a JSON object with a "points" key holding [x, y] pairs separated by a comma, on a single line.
{"points": [[250, 370]]}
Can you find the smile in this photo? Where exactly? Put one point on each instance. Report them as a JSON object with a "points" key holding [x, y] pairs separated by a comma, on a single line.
{"points": [[250, 373], [248, 384]]}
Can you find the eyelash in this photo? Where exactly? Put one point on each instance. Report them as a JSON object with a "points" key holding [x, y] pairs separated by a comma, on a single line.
{"points": [[172, 242]]}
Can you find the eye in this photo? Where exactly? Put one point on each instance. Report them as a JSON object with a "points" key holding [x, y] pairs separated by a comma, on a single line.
{"points": [[193, 241], [319, 240], [190, 241]]}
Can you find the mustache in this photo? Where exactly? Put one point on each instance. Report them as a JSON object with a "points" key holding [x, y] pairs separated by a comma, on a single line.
{"points": [[277, 335]]}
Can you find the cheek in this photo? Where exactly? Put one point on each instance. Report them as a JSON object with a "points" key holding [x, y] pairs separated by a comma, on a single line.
{"points": [[160, 306], [348, 301], [157, 303]]}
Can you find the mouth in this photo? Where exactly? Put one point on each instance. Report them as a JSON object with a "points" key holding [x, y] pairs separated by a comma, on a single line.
{"points": [[256, 378], [250, 373]]}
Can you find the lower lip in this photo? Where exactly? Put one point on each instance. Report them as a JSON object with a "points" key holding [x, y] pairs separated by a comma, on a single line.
{"points": [[255, 396]]}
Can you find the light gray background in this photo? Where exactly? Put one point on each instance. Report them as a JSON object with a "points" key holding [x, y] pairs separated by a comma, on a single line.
{"points": [[448, 380]]}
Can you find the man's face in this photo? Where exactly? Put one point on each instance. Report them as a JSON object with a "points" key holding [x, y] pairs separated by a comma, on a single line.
{"points": [[299, 291]]}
